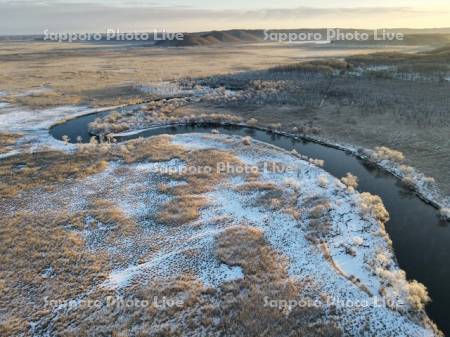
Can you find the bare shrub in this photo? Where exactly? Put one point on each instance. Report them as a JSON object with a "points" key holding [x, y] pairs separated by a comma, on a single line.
{"points": [[317, 162], [429, 180], [247, 140], [417, 295], [322, 181], [294, 212], [274, 126], [445, 213], [350, 181], [406, 170], [319, 211], [409, 182], [385, 153], [373, 206], [292, 183], [358, 241], [65, 139], [397, 288]]}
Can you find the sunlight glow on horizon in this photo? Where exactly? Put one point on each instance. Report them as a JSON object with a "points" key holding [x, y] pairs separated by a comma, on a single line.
{"points": [[33, 17]]}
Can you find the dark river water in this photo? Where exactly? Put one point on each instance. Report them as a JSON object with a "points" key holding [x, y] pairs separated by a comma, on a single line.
{"points": [[421, 240]]}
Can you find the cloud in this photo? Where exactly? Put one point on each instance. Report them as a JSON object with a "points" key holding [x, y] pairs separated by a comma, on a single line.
{"points": [[31, 16]]}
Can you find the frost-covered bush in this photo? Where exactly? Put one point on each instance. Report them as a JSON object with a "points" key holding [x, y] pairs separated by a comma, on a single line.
{"points": [[317, 162], [292, 183], [418, 295], [384, 153], [445, 213], [350, 181], [247, 140], [373, 205], [409, 181], [322, 181], [397, 287], [406, 170], [357, 240], [429, 180]]}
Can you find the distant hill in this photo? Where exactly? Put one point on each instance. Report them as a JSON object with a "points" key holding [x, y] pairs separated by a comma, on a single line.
{"points": [[188, 41], [432, 36], [215, 37], [435, 36]]}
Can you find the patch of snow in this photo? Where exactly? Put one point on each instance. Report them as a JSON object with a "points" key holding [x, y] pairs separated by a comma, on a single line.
{"points": [[160, 251], [34, 124], [35, 91], [171, 89], [9, 154]]}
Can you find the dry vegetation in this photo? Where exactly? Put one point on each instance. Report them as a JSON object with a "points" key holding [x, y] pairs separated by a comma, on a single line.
{"points": [[187, 201], [385, 153], [239, 307], [445, 213], [317, 210], [8, 141], [41, 259], [247, 314], [314, 68], [181, 210], [373, 205], [45, 169], [350, 181], [95, 74], [46, 256], [152, 149]]}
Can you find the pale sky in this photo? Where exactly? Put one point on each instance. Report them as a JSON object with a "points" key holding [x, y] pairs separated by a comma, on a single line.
{"points": [[35, 16]]}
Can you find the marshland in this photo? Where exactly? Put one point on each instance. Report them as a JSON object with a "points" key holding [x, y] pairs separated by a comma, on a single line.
{"points": [[104, 230]]}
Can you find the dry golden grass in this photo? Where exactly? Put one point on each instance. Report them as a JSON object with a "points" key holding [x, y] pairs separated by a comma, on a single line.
{"points": [[157, 148], [208, 171], [317, 210], [40, 259], [246, 247], [246, 311], [272, 196], [385, 153], [44, 170], [373, 205], [7, 141], [108, 213], [191, 311], [187, 203], [350, 181], [256, 186], [181, 210], [44, 100], [324, 67]]}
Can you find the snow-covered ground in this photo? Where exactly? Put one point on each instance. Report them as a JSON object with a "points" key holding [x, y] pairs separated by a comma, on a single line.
{"points": [[351, 281], [171, 89], [34, 124]]}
